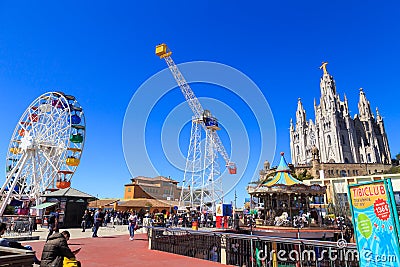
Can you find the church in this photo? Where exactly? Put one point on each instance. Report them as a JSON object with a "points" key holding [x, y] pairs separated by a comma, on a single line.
{"points": [[335, 144]]}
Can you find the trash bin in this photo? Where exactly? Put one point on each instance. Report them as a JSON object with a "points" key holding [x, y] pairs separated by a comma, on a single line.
{"points": [[195, 225]]}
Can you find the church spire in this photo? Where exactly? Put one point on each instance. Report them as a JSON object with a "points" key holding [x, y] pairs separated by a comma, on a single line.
{"points": [[378, 115], [364, 108], [300, 113], [346, 106], [329, 98]]}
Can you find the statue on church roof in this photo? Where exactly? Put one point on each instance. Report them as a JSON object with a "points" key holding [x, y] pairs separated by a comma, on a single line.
{"points": [[323, 67]]}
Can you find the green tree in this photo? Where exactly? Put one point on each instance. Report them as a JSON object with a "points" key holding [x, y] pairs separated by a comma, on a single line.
{"points": [[393, 169], [305, 175], [398, 158], [10, 210]]}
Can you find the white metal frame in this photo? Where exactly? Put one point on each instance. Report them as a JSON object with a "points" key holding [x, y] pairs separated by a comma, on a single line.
{"points": [[210, 191], [42, 149]]}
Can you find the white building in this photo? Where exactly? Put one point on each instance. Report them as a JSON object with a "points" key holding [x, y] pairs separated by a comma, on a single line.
{"points": [[338, 137]]}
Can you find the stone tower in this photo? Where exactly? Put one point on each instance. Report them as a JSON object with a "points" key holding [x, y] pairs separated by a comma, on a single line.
{"points": [[338, 137]]}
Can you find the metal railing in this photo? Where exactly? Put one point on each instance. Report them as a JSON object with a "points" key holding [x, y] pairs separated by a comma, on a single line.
{"points": [[18, 224], [195, 244], [245, 250], [251, 250]]}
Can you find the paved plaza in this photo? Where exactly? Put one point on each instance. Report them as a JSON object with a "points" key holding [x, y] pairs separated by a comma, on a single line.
{"points": [[113, 248]]}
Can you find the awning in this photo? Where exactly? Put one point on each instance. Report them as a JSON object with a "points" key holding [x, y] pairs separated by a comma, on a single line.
{"points": [[44, 205]]}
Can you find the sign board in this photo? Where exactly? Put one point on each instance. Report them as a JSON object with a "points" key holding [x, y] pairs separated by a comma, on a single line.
{"points": [[375, 223], [227, 209], [223, 210], [218, 210]]}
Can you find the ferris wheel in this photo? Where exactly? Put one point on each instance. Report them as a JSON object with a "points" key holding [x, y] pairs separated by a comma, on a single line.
{"points": [[45, 148]]}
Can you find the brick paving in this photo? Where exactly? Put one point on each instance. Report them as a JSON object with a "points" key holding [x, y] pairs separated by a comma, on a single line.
{"points": [[113, 248]]}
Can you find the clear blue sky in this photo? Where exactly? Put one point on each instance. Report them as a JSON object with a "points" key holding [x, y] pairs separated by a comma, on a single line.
{"points": [[102, 51]]}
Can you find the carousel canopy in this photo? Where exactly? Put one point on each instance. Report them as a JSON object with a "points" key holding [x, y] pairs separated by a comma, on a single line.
{"points": [[284, 183], [282, 176]]}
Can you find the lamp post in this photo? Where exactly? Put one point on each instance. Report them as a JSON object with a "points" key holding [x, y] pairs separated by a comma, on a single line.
{"points": [[298, 222], [340, 224], [251, 229], [366, 161], [171, 196]]}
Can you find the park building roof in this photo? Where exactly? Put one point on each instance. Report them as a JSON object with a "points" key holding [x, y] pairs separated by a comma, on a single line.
{"points": [[68, 192]]}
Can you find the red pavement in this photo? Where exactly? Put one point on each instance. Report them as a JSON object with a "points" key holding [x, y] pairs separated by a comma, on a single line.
{"points": [[118, 250]]}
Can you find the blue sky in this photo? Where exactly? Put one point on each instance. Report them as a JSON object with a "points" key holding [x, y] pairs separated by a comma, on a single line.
{"points": [[102, 51]]}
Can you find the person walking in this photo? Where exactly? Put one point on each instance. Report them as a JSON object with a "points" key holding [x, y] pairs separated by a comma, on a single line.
{"points": [[55, 249], [132, 225], [98, 219], [53, 222], [85, 220]]}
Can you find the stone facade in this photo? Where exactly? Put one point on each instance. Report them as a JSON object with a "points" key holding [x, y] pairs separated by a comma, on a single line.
{"points": [[336, 143], [329, 170]]}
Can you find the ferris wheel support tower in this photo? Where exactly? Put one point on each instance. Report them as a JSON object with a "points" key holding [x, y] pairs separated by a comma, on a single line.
{"points": [[200, 183]]}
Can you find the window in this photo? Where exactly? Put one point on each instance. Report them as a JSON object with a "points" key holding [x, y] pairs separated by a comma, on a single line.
{"points": [[343, 140], [342, 200], [129, 189], [329, 140], [318, 200]]}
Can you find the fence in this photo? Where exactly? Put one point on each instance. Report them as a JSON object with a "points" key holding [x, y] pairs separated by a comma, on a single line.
{"points": [[250, 250], [202, 245], [18, 224]]}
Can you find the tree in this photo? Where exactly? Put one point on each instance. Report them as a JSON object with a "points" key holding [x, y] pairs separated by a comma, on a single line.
{"points": [[392, 170], [305, 175], [398, 158]]}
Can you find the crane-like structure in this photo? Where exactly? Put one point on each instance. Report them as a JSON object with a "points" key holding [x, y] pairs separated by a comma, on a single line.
{"points": [[200, 185]]}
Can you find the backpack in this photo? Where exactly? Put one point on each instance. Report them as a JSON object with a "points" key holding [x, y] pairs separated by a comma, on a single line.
{"points": [[52, 218]]}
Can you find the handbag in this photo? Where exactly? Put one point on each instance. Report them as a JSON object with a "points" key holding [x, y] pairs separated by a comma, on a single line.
{"points": [[70, 262]]}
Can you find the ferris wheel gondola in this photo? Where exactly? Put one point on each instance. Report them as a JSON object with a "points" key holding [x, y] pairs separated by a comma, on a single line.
{"points": [[45, 148]]}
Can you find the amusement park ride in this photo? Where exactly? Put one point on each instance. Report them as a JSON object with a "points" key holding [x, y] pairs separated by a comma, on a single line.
{"points": [[45, 148], [200, 185]]}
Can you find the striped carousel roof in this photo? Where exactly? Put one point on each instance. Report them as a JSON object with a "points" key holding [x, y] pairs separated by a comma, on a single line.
{"points": [[283, 176]]}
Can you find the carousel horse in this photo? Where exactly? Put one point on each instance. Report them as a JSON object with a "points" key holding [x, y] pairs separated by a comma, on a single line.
{"points": [[282, 220]]}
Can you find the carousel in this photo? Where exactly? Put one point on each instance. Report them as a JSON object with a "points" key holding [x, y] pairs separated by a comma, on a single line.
{"points": [[282, 199]]}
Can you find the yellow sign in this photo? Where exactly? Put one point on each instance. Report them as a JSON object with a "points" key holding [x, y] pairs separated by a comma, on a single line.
{"points": [[364, 196]]}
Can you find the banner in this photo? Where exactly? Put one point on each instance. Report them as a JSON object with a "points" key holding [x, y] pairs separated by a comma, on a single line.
{"points": [[375, 223]]}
